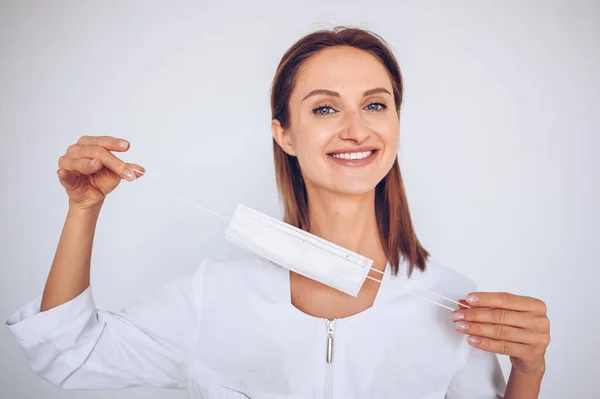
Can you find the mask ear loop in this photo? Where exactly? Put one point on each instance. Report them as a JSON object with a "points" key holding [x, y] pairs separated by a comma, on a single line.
{"points": [[437, 303], [157, 187], [187, 201], [412, 287]]}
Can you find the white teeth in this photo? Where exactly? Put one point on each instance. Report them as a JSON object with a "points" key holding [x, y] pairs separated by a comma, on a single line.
{"points": [[353, 155]]}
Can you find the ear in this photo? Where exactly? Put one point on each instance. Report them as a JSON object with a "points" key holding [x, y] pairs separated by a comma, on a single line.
{"points": [[283, 138]]}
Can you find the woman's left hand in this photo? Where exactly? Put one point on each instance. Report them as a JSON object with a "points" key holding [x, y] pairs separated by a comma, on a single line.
{"points": [[507, 324]]}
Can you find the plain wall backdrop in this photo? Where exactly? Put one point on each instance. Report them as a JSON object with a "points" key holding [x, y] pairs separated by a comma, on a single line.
{"points": [[499, 133]]}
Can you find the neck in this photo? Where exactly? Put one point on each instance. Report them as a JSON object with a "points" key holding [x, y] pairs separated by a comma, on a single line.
{"points": [[348, 221]]}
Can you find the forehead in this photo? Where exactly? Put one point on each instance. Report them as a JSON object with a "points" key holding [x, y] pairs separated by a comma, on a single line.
{"points": [[343, 69]]}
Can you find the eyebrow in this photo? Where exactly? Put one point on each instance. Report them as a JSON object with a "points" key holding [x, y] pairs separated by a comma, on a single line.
{"points": [[336, 94]]}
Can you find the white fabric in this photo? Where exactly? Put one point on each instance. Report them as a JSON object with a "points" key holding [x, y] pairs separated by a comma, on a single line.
{"points": [[298, 250], [230, 331]]}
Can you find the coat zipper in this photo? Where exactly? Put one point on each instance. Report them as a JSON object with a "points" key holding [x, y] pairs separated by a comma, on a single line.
{"points": [[329, 358]]}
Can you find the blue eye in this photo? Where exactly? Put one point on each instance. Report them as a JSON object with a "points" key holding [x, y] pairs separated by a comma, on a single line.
{"points": [[378, 106], [323, 110]]}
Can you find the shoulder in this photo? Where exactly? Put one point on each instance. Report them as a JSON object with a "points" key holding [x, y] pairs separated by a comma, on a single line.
{"points": [[239, 275], [239, 267]]}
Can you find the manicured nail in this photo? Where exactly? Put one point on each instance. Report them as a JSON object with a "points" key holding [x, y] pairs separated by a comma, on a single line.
{"points": [[93, 163], [474, 340], [129, 175], [472, 298], [462, 326], [123, 144], [458, 316]]}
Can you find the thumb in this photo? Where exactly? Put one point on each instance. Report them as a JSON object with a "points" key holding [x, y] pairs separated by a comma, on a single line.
{"points": [[69, 180]]}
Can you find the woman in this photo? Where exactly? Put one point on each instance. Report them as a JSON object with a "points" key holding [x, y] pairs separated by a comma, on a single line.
{"points": [[246, 328]]}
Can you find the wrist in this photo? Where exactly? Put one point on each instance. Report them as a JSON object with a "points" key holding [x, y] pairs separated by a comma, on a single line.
{"points": [[537, 373], [84, 211]]}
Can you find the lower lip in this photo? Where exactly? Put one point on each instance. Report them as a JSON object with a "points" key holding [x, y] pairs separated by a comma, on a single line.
{"points": [[355, 162]]}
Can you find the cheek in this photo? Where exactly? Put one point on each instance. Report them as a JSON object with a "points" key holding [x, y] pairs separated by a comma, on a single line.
{"points": [[391, 143], [310, 154], [391, 135], [394, 142], [311, 143]]}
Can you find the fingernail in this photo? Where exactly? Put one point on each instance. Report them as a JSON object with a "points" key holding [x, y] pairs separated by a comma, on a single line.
{"points": [[472, 298], [462, 326], [129, 175], [93, 162], [458, 316], [123, 144], [474, 340]]}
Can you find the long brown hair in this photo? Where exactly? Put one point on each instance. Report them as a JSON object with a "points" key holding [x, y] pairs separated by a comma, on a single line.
{"points": [[395, 227]]}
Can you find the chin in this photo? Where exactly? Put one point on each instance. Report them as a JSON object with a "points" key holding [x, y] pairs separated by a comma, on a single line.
{"points": [[344, 184], [354, 188]]}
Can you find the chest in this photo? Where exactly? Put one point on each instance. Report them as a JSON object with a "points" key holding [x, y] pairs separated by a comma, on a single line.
{"points": [[318, 300], [402, 350]]}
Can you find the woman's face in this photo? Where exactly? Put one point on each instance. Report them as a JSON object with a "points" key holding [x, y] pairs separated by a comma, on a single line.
{"points": [[343, 124]]}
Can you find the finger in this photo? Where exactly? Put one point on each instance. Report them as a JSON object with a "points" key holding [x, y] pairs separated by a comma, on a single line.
{"points": [[463, 304], [501, 347], [499, 332], [108, 142], [496, 316], [506, 301], [107, 159], [138, 169], [84, 166]]}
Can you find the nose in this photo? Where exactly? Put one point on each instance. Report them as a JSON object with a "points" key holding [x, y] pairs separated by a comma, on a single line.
{"points": [[354, 128]]}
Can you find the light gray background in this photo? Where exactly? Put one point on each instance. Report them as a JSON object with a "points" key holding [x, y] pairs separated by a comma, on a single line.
{"points": [[499, 136]]}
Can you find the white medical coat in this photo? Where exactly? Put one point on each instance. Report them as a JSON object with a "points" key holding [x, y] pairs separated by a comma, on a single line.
{"points": [[230, 331]]}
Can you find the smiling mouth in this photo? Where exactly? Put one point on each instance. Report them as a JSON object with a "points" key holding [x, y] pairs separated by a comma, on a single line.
{"points": [[354, 159], [353, 155]]}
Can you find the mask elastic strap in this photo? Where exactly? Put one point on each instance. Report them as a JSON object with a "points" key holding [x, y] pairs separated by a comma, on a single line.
{"points": [[190, 193], [421, 289], [373, 278], [187, 201], [439, 296]]}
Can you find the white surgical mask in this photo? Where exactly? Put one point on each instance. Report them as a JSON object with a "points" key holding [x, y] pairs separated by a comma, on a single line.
{"points": [[299, 251]]}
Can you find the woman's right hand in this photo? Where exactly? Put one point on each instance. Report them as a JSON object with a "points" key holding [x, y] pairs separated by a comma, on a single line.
{"points": [[89, 171]]}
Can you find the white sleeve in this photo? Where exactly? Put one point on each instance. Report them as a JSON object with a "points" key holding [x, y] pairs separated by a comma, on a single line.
{"points": [[478, 377], [76, 346]]}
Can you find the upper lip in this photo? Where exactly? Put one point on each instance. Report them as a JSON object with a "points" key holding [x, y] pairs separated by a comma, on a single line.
{"points": [[352, 149]]}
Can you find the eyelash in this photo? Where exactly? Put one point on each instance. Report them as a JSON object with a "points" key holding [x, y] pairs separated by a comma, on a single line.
{"points": [[316, 110]]}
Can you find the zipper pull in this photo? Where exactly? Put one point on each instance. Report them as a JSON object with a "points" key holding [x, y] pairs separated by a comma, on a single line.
{"points": [[330, 331]]}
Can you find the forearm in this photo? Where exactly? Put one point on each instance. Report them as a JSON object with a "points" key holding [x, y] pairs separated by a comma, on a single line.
{"points": [[523, 386], [70, 272]]}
